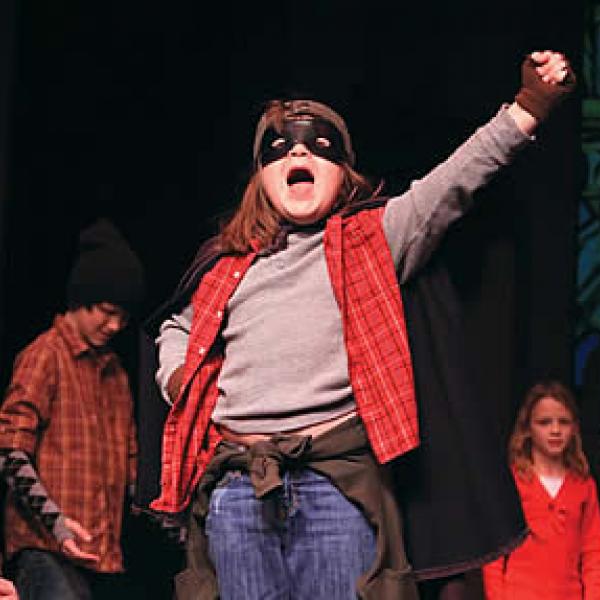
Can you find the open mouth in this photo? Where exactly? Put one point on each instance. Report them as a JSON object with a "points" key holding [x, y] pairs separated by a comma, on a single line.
{"points": [[555, 444], [300, 175]]}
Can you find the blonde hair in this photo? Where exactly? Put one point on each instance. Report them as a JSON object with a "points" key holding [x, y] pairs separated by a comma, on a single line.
{"points": [[519, 447]]}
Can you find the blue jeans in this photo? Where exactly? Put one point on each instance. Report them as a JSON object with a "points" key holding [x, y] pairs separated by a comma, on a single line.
{"points": [[42, 575], [306, 541]]}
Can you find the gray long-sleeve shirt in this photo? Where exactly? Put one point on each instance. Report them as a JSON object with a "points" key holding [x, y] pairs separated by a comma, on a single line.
{"points": [[285, 362]]}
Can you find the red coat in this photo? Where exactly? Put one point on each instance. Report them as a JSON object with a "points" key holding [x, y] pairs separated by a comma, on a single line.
{"points": [[560, 559]]}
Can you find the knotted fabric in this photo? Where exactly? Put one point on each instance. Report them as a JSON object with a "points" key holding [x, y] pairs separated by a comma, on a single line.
{"points": [[341, 454], [267, 459]]}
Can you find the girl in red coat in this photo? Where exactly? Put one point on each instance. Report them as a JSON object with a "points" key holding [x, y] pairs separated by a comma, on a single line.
{"points": [[560, 559]]}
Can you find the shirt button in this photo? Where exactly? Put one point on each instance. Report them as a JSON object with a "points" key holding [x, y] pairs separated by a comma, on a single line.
{"points": [[236, 275], [551, 505]]}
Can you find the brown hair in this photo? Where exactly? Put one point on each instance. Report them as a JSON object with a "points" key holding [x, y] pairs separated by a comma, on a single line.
{"points": [[519, 447], [255, 219]]}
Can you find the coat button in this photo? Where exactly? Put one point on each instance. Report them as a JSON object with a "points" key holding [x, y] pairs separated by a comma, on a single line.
{"points": [[236, 275], [202, 350]]}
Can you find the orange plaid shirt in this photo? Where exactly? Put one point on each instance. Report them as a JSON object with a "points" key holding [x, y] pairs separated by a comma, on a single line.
{"points": [[70, 409]]}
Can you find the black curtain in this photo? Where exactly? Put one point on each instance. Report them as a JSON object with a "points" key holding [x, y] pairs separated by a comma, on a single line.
{"points": [[8, 20]]}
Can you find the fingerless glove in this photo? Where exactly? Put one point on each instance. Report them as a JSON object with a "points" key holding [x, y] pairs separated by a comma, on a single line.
{"points": [[538, 97]]}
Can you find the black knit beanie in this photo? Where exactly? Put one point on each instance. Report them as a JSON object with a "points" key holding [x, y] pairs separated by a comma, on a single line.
{"points": [[106, 270]]}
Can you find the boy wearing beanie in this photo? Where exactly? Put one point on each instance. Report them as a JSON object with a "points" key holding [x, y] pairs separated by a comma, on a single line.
{"points": [[67, 435]]}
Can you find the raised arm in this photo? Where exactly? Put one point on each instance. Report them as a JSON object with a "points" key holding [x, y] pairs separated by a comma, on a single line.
{"points": [[415, 222]]}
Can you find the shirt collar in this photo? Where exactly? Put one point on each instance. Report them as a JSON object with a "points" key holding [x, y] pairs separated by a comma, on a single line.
{"points": [[77, 346]]}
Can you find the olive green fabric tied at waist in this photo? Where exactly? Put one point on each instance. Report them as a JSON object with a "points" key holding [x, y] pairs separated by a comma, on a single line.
{"points": [[344, 456], [267, 460]]}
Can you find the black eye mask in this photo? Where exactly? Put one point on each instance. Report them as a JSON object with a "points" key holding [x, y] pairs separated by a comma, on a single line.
{"points": [[320, 137]]}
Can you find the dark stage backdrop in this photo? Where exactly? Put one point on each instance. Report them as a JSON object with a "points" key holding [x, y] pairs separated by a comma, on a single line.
{"points": [[144, 112]]}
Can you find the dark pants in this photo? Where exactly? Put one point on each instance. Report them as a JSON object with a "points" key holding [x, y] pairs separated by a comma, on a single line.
{"points": [[449, 588], [42, 575]]}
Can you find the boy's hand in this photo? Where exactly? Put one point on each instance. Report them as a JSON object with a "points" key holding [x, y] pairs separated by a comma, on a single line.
{"points": [[70, 547], [7, 590]]}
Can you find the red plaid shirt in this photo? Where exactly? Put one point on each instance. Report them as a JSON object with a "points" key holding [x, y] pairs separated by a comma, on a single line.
{"points": [[71, 410], [364, 281]]}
